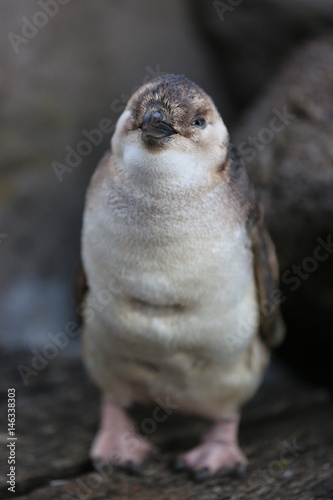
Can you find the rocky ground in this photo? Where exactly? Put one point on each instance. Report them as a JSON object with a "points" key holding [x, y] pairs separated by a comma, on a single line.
{"points": [[286, 433]]}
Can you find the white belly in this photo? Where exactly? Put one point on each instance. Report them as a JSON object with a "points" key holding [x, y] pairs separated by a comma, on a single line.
{"points": [[174, 291]]}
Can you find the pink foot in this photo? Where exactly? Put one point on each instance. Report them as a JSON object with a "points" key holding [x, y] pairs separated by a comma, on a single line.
{"points": [[116, 441], [218, 452]]}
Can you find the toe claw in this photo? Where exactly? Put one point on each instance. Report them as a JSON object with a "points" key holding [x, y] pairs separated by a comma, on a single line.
{"points": [[202, 474], [132, 468], [240, 471], [179, 465], [97, 464], [105, 468]]}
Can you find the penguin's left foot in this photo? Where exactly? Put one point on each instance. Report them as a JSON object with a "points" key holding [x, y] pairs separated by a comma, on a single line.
{"points": [[218, 453]]}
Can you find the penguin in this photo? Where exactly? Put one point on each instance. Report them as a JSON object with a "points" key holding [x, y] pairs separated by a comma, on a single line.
{"points": [[180, 278]]}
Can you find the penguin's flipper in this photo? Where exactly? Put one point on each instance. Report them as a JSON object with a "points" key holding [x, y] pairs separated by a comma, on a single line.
{"points": [[266, 270]]}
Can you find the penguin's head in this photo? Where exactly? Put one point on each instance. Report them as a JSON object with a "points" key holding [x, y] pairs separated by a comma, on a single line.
{"points": [[171, 127]]}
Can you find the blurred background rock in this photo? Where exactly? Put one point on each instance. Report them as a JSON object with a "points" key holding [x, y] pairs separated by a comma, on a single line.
{"points": [[79, 66]]}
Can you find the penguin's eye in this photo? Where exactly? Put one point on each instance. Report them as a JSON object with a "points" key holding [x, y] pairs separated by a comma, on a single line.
{"points": [[199, 122]]}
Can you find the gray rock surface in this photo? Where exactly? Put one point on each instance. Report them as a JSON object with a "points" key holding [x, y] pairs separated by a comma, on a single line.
{"points": [[286, 141], [248, 40]]}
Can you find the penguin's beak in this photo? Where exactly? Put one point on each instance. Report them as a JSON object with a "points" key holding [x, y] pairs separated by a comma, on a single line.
{"points": [[154, 126]]}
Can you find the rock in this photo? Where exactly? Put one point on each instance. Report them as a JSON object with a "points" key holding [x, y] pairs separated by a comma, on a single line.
{"points": [[248, 40], [286, 141]]}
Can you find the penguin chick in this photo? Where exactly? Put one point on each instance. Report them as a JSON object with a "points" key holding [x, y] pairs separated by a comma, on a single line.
{"points": [[180, 272]]}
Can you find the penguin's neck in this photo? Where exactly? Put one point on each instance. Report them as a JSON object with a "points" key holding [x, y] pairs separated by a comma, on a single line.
{"points": [[164, 172]]}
